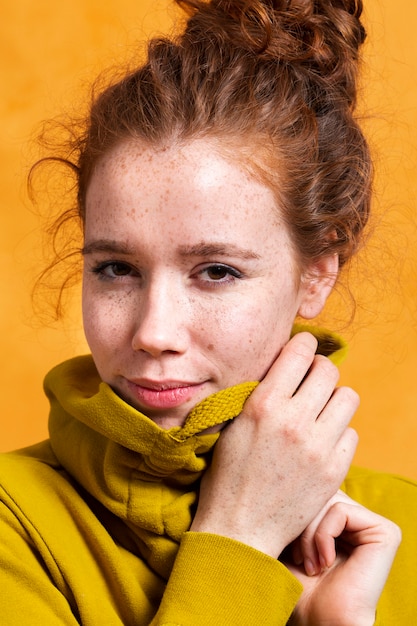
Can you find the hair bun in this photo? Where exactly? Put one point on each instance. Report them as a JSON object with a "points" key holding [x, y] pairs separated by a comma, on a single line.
{"points": [[322, 36]]}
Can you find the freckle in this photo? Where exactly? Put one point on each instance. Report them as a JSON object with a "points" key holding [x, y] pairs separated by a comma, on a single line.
{"points": [[210, 347]]}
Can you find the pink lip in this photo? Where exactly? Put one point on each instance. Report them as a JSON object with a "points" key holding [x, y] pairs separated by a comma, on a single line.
{"points": [[164, 394]]}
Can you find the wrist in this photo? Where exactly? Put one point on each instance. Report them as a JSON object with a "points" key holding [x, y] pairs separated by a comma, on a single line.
{"points": [[243, 536]]}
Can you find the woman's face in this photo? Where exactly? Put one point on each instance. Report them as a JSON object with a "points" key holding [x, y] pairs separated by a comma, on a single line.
{"points": [[190, 281]]}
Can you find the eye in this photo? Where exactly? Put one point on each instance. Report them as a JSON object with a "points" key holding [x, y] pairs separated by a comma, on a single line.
{"points": [[114, 269], [219, 273]]}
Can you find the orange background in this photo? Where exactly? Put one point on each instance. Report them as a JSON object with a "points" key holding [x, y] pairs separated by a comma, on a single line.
{"points": [[50, 50]]}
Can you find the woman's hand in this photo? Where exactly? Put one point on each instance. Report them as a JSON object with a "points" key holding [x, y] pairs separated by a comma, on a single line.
{"points": [[352, 570], [275, 467]]}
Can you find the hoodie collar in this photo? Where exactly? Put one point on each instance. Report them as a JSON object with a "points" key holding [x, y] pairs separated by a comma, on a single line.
{"points": [[144, 476]]}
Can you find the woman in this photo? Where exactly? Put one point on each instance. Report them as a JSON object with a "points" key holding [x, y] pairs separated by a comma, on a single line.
{"points": [[220, 188]]}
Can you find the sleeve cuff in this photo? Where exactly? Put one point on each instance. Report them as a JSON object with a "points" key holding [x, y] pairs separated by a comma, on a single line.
{"points": [[216, 579]]}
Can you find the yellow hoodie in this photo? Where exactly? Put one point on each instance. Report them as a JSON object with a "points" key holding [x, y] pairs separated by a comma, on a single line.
{"points": [[94, 522]]}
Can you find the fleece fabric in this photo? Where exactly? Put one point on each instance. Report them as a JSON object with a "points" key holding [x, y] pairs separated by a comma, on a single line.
{"points": [[94, 522]]}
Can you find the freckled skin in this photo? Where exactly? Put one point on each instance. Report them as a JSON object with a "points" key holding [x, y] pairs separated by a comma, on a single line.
{"points": [[170, 318]]}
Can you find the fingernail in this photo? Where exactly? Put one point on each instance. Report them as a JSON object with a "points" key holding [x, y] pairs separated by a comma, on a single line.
{"points": [[309, 567], [323, 563]]}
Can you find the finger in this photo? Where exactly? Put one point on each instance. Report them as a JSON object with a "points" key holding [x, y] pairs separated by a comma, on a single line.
{"points": [[319, 383], [290, 368], [308, 550], [344, 402], [344, 451], [332, 425], [317, 392], [358, 527]]}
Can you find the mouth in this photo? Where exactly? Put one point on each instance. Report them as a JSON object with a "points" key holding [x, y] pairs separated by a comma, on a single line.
{"points": [[164, 394]]}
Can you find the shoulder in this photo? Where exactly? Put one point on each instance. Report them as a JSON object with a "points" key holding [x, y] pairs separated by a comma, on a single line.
{"points": [[359, 478], [32, 479], [16, 466], [389, 495]]}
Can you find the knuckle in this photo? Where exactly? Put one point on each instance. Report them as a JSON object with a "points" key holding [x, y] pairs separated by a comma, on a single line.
{"points": [[258, 406], [303, 345], [291, 433], [326, 365], [332, 475], [331, 479], [339, 507], [315, 457], [394, 532], [306, 539], [349, 396], [263, 402], [321, 534], [351, 441]]}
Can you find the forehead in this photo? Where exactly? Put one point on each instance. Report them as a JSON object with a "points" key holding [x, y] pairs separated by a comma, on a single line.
{"points": [[207, 162], [181, 195]]}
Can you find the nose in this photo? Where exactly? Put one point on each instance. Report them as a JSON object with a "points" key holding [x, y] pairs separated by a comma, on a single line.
{"points": [[161, 321]]}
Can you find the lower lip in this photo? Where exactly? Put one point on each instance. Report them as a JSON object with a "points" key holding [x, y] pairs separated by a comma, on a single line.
{"points": [[163, 398]]}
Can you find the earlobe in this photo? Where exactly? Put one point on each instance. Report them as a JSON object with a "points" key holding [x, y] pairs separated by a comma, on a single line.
{"points": [[316, 285]]}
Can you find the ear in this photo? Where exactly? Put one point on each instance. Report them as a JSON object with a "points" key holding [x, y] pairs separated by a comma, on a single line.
{"points": [[316, 284]]}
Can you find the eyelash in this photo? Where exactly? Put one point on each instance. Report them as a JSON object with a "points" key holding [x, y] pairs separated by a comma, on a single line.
{"points": [[100, 270], [230, 273]]}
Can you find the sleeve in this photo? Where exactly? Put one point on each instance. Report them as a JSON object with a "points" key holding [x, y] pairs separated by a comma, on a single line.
{"points": [[216, 580], [26, 588], [59, 566]]}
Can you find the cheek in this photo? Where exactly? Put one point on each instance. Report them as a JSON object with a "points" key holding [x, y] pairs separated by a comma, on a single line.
{"points": [[263, 344], [104, 320], [245, 340]]}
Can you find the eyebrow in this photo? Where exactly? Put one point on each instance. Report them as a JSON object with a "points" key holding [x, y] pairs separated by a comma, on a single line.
{"points": [[202, 249], [217, 249], [107, 245]]}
